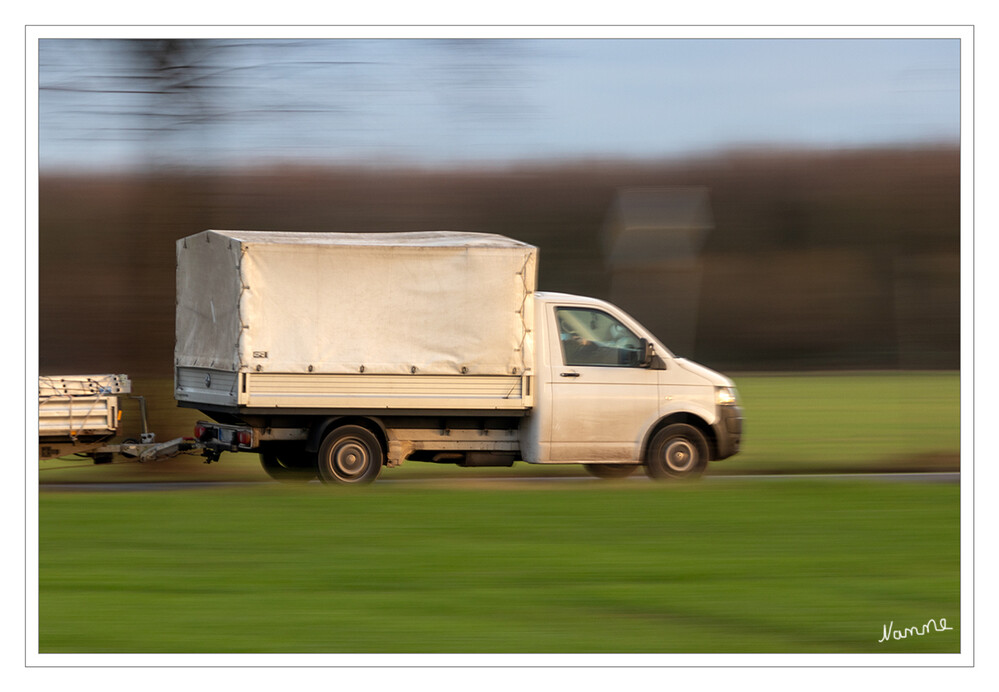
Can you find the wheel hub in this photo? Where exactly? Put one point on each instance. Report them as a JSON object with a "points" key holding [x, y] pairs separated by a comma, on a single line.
{"points": [[680, 456], [351, 457]]}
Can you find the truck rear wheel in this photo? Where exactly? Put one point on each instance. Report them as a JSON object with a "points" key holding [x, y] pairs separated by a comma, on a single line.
{"points": [[289, 466], [611, 471], [350, 455], [677, 451]]}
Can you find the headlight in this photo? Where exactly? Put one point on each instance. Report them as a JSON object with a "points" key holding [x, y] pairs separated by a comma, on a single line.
{"points": [[726, 396]]}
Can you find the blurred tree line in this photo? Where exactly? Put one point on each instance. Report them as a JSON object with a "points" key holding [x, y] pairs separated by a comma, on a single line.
{"points": [[817, 260]]}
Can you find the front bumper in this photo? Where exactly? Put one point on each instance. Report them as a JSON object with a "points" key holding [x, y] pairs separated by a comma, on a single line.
{"points": [[728, 431]]}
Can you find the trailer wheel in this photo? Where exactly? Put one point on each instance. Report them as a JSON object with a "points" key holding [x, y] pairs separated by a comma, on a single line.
{"points": [[677, 451], [129, 441], [350, 455], [289, 466], [611, 471]]}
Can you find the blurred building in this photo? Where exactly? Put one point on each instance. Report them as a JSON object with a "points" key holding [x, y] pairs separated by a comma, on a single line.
{"points": [[652, 246]]}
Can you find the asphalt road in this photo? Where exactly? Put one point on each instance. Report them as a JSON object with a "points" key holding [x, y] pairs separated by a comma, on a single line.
{"points": [[926, 477]]}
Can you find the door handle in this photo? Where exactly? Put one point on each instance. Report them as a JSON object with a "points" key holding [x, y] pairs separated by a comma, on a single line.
{"points": [[569, 374]]}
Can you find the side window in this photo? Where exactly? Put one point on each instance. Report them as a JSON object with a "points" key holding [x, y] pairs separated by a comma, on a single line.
{"points": [[592, 337]]}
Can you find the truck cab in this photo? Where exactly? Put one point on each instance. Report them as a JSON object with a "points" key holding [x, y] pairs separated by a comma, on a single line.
{"points": [[607, 392]]}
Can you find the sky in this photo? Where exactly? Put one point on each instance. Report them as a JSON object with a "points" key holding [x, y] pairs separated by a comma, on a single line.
{"points": [[445, 102]]}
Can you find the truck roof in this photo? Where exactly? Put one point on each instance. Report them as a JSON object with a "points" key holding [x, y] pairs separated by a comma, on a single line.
{"points": [[568, 297], [388, 239]]}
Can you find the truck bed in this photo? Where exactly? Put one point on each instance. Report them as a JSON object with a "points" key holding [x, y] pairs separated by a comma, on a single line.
{"points": [[325, 391]]}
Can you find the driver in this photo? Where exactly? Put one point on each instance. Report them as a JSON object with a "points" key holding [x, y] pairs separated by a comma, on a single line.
{"points": [[580, 351]]}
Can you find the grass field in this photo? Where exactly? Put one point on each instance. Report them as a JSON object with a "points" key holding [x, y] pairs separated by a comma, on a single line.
{"points": [[723, 566], [720, 566], [851, 422]]}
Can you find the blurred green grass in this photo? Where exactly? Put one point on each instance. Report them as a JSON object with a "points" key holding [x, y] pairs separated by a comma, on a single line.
{"points": [[770, 565], [794, 423], [854, 421]]}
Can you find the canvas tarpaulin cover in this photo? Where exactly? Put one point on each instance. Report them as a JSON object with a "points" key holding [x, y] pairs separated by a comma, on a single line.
{"points": [[383, 303]]}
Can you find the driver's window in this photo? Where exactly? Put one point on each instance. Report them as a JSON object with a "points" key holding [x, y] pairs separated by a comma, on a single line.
{"points": [[593, 337]]}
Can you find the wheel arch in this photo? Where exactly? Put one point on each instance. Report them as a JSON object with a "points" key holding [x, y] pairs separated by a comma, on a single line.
{"points": [[683, 417], [320, 428]]}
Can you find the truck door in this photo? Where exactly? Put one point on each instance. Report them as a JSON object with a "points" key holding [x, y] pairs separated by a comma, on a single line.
{"points": [[602, 399]]}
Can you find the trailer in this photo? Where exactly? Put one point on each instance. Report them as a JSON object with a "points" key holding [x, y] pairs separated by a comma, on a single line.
{"points": [[81, 414]]}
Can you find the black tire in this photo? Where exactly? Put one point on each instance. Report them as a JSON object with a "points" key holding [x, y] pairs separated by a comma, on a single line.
{"points": [[350, 455], [289, 465], [677, 451], [611, 471]]}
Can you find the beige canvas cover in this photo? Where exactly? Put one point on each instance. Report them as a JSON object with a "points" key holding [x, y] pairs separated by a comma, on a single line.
{"points": [[383, 303]]}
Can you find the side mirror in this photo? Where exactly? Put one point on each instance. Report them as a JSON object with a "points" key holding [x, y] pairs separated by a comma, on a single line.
{"points": [[648, 352], [650, 359]]}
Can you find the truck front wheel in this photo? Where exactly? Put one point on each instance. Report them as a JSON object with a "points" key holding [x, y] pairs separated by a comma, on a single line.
{"points": [[677, 451], [350, 455]]}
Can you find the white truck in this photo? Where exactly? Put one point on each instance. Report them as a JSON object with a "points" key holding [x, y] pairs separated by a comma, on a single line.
{"points": [[335, 354]]}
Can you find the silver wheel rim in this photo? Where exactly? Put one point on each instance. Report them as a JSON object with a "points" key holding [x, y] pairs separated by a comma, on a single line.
{"points": [[350, 458], [680, 455]]}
